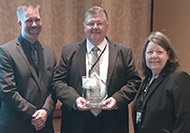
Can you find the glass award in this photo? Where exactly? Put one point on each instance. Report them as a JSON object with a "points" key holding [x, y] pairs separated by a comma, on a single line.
{"points": [[94, 90]]}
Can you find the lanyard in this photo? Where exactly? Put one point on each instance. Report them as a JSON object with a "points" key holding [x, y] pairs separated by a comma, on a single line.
{"points": [[90, 70], [146, 90]]}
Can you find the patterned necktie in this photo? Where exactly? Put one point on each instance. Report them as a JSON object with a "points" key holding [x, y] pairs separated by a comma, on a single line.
{"points": [[34, 55], [95, 62], [95, 69]]}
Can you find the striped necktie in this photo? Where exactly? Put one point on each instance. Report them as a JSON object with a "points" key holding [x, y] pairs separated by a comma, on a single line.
{"points": [[95, 69], [95, 62]]}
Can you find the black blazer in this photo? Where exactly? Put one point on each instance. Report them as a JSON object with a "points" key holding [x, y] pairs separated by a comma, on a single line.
{"points": [[166, 108], [21, 90], [122, 82]]}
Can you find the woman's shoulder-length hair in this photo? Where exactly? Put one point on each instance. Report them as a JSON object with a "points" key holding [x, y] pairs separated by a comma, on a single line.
{"points": [[162, 40]]}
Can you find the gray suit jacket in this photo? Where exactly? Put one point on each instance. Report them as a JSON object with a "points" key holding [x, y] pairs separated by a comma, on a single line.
{"points": [[22, 91], [122, 83]]}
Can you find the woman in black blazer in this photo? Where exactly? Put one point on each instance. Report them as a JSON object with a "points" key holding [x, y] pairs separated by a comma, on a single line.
{"points": [[162, 104]]}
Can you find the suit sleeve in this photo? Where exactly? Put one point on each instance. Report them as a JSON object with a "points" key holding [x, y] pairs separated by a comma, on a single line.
{"points": [[181, 97], [65, 93], [131, 79], [50, 101], [8, 90]]}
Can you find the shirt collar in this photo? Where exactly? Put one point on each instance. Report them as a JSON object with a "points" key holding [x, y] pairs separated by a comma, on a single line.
{"points": [[101, 46], [28, 43]]}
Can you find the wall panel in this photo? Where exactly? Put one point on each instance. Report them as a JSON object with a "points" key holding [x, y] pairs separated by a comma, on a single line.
{"points": [[172, 18]]}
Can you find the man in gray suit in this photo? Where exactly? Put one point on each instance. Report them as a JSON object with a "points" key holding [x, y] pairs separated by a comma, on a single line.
{"points": [[116, 68], [26, 69]]}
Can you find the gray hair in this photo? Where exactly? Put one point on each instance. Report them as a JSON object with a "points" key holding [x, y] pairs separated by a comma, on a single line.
{"points": [[96, 10]]}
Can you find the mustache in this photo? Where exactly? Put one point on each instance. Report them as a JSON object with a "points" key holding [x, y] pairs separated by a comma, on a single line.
{"points": [[95, 31]]}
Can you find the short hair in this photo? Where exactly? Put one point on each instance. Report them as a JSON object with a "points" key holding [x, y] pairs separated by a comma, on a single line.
{"points": [[22, 8], [162, 40], [96, 10]]}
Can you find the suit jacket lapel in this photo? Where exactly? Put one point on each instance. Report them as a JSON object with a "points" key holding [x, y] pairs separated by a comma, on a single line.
{"points": [[27, 60], [112, 60], [139, 92], [81, 59], [153, 88]]}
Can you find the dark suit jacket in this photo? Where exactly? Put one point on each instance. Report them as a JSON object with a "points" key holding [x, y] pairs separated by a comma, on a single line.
{"points": [[166, 108], [122, 82], [22, 92]]}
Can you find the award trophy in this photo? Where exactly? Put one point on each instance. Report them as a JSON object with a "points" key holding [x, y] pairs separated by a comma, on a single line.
{"points": [[94, 90]]}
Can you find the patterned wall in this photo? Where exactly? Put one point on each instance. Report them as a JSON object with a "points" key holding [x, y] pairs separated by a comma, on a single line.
{"points": [[129, 22]]}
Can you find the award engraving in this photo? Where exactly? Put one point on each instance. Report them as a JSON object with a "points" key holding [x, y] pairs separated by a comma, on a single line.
{"points": [[94, 91]]}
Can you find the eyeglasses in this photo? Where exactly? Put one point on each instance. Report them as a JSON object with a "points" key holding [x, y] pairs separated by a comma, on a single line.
{"points": [[98, 24]]}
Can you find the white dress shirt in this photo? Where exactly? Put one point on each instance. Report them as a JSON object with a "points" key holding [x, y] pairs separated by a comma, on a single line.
{"points": [[103, 61]]}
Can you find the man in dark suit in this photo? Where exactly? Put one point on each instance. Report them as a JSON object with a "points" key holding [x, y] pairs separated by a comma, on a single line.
{"points": [[26, 69], [117, 70]]}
